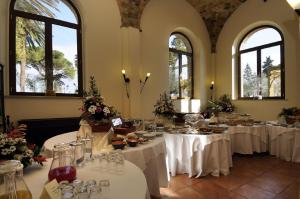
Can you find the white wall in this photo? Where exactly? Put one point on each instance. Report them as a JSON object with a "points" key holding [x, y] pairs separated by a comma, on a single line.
{"points": [[159, 20], [107, 48], [248, 15]]}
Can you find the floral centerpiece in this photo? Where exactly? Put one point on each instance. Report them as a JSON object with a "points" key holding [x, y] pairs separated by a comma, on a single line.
{"points": [[291, 115], [224, 104], [13, 146], [94, 110], [164, 106]]}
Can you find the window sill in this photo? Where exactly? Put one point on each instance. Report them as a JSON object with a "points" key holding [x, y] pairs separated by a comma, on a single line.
{"points": [[40, 97], [266, 99]]}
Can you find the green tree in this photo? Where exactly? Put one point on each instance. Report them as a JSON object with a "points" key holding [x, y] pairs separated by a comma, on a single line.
{"points": [[31, 33], [249, 82], [62, 67]]}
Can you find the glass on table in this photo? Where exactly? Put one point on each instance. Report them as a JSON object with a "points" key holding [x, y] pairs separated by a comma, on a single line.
{"points": [[67, 192], [78, 152], [95, 191], [82, 192], [105, 187], [88, 147]]}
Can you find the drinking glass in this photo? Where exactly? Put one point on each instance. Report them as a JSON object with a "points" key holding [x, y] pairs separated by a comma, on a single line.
{"points": [[88, 147]]}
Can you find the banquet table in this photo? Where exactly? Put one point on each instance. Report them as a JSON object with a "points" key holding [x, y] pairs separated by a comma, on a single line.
{"points": [[198, 155], [248, 139], [284, 142], [149, 157]]}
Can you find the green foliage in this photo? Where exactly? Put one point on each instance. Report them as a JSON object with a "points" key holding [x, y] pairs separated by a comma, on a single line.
{"points": [[292, 111], [249, 82], [224, 104], [164, 106]]}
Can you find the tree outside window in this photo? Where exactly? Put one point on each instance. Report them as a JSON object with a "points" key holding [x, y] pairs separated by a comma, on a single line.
{"points": [[261, 66], [45, 48], [180, 67]]}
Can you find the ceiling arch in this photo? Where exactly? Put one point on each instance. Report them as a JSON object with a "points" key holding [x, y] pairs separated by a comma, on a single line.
{"points": [[214, 13]]}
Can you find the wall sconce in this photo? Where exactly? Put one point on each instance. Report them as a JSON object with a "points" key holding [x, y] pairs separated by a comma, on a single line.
{"points": [[212, 88], [126, 80], [144, 82], [212, 85]]}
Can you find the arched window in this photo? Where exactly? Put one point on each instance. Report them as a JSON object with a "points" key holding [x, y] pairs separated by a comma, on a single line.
{"points": [[180, 66], [45, 48], [261, 64]]}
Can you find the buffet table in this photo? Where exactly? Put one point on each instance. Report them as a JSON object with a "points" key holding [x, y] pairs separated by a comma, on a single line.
{"points": [[198, 155], [248, 139], [149, 157], [36, 177], [284, 142]]}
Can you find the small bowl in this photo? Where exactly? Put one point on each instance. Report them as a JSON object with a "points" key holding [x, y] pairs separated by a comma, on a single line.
{"points": [[132, 142], [118, 144]]}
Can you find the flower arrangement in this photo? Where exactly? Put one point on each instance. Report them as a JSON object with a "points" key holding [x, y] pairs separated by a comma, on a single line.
{"points": [[291, 115], [94, 110], [224, 104], [13, 145], [164, 106]]}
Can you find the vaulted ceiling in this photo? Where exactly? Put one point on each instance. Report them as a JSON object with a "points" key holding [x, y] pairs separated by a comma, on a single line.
{"points": [[214, 13]]}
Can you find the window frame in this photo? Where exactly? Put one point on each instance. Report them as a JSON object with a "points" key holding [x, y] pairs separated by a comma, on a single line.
{"points": [[179, 53], [48, 22], [258, 49]]}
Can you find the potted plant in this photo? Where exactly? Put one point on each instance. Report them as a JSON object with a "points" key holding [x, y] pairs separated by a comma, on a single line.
{"points": [[291, 115]]}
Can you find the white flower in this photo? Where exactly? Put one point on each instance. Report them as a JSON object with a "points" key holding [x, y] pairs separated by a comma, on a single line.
{"points": [[92, 109], [12, 148], [106, 110], [5, 151], [89, 97]]}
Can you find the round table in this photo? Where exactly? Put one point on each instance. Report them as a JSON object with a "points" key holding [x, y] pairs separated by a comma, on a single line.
{"points": [[36, 177], [149, 157], [198, 155], [284, 142], [248, 139]]}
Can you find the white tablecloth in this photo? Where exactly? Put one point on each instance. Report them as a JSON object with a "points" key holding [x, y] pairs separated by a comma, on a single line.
{"points": [[150, 157], [248, 139], [198, 155], [129, 182], [284, 142]]}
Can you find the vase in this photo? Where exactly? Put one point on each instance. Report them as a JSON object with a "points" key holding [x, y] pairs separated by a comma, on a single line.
{"points": [[163, 121], [100, 127]]}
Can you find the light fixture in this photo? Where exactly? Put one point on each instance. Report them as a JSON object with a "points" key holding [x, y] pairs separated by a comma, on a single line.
{"points": [[126, 80], [212, 85], [212, 88], [144, 82]]}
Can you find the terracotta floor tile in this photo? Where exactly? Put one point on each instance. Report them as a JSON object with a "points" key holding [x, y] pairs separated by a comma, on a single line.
{"points": [[252, 192], [189, 193], [272, 182], [210, 190], [291, 192], [252, 177], [231, 182]]}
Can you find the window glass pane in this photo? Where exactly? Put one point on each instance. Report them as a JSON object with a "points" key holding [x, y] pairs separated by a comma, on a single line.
{"points": [[179, 42], [174, 75], [65, 67], [260, 37], [57, 9], [271, 72], [249, 87], [30, 55], [186, 77]]}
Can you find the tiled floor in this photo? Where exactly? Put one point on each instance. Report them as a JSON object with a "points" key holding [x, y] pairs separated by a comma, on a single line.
{"points": [[252, 177]]}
